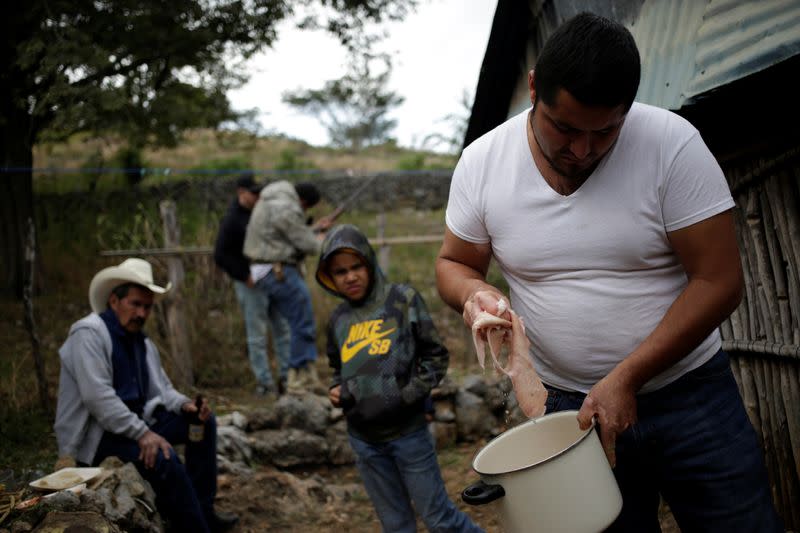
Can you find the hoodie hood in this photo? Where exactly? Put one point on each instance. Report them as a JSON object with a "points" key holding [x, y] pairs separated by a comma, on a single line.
{"points": [[280, 191], [346, 237]]}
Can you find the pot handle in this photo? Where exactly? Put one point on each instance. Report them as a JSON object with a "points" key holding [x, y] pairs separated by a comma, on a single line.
{"points": [[480, 493]]}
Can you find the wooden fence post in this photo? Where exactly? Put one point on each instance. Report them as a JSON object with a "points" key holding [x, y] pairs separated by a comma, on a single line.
{"points": [[383, 249], [176, 318]]}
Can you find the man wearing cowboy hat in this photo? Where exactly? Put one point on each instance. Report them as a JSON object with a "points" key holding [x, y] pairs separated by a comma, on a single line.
{"points": [[114, 399]]}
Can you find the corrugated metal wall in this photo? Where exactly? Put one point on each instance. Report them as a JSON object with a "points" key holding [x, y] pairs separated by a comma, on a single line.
{"points": [[690, 47]]}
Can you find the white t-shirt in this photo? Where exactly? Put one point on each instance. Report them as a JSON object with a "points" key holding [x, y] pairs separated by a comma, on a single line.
{"points": [[593, 273]]}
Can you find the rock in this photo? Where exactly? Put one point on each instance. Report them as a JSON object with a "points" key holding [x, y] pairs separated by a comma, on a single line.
{"points": [[235, 419], [226, 466], [447, 388], [443, 411], [233, 443], [263, 419], [336, 414], [474, 384], [339, 450], [306, 412], [85, 522], [345, 492], [473, 419], [20, 526], [118, 500], [127, 499], [289, 447], [62, 501], [496, 398]]}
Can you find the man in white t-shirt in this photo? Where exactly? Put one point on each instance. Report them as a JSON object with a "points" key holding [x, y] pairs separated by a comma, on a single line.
{"points": [[611, 222]]}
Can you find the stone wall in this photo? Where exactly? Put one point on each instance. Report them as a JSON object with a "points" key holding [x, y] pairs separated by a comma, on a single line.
{"points": [[304, 430], [387, 191]]}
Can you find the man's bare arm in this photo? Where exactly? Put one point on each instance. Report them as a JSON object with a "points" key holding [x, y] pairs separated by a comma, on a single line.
{"points": [[710, 256], [461, 269]]}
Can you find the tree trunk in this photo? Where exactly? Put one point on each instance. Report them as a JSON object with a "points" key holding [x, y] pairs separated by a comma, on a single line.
{"points": [[30, 320], [16, 194], [176, 315]]}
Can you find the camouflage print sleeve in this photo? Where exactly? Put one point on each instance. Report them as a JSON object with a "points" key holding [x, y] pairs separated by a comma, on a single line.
{"points": [[432, 356]]}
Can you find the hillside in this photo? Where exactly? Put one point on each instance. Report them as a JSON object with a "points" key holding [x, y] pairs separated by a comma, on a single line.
{"points": [[73, 165]]}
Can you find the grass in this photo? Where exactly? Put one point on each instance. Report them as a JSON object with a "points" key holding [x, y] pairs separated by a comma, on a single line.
{"points": [[27, 441], [203, 153]]}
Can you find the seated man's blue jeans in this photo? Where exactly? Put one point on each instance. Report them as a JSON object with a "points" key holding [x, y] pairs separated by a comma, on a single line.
{"points": [[292, 299], [397, 472], [184, 494], [694, 445], [259, 315]]}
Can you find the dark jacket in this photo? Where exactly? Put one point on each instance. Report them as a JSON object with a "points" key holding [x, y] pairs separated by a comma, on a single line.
{"points": [[228, 252], [385, 351]]}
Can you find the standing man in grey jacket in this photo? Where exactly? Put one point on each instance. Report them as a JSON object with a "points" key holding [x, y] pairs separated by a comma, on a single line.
{"points": [[114, 399], [276, 241], [260, 316]]}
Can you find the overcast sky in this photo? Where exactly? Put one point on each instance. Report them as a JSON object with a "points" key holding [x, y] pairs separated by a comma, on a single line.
{"points": [[437, 54]]}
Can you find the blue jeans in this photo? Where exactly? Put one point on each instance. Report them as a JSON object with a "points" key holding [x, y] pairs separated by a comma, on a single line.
{"points": [[259, 315], [403, 470], [694, 445], [184, 494], [291, 298]]}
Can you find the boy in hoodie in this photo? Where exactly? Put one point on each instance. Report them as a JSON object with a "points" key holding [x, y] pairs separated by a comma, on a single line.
{"points": [[386, 357]]}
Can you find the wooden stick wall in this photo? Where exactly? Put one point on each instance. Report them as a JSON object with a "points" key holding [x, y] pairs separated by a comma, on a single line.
{"points": [[763, 334]]}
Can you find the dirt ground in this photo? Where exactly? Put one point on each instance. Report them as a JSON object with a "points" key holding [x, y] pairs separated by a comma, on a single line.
{"points": [[259, 510], [265, 501]]}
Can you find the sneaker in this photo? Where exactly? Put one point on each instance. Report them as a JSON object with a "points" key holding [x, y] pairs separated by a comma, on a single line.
{"points": [[295, 383], [312, 379]]}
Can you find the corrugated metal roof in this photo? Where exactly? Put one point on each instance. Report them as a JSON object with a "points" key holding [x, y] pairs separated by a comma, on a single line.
{"points": [[690, 47]]}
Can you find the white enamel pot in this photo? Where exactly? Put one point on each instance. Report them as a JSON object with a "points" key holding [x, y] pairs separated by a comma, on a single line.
{"points": [[548, 475]]}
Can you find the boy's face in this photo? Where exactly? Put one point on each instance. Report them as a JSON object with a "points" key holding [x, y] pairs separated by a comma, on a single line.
{"points": [[350, 275]]}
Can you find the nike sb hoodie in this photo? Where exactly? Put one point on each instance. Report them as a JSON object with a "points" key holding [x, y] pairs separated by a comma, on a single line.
{"points": [[384, 350]]}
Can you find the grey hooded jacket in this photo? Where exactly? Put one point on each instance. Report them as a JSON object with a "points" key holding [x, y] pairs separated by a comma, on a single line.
{"points": [[277, 231], [88, 405]]}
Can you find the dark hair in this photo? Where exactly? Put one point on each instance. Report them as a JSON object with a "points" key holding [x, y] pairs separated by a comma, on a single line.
{"points": [[308, 193], [593, 58], [246, 180], [121, 291]]}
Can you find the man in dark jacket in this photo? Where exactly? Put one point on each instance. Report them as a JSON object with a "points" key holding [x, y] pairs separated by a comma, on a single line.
{"points": [[256, 308]]}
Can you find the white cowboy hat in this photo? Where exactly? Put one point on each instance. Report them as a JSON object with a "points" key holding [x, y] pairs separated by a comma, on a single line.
{"points": [[133, 270]]}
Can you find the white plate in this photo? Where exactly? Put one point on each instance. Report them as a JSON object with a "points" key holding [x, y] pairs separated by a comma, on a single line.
{"points": [[77, 489], [65, 478]]}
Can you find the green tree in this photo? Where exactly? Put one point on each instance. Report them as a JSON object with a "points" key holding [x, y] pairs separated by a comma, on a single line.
{"points": [[144, 70], [354, 108]]}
